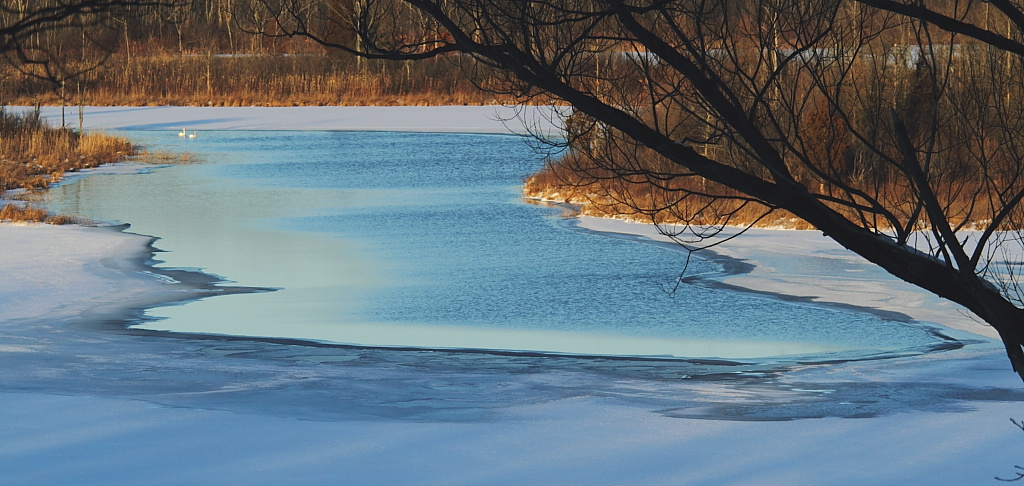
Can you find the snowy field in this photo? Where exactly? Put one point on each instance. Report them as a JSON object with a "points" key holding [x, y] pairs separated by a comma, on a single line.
{"points": [[79, 406]]}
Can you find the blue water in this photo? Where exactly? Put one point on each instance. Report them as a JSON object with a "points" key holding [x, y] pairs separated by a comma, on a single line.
{"points": [[422, 240]]}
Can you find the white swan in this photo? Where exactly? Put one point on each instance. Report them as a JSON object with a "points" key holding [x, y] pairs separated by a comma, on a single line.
{"points": [[192, 135], [182, 133]]}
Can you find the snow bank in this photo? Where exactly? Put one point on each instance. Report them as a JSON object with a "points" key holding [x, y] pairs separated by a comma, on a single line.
{"points": [[53, 272]]}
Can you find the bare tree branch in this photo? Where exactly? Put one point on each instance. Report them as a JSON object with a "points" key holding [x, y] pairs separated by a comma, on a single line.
{"points": [[885, 124]]}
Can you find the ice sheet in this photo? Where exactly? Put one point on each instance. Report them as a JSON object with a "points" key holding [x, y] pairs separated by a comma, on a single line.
{"points": [[465, 119]]}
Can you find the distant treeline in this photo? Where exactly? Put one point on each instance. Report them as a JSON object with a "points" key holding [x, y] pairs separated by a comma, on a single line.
{"points": [[201, 53]]}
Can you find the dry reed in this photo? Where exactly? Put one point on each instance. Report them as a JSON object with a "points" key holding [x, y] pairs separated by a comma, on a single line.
{"points": [[27, 214], [34, 154]]}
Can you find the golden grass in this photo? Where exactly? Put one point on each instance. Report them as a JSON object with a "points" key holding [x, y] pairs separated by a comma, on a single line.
{"points": [[597, 191], [13, 212], [27, 214], [34, 154], [576, 180]]}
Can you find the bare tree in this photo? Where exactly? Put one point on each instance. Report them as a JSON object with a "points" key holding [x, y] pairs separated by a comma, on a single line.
{"points": [[62, 40], [22, 20]]}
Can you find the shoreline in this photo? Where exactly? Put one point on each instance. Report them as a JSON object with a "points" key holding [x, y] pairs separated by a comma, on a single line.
{"points": [[740, 275], [889, 297], [93, 275], [57, 272]]}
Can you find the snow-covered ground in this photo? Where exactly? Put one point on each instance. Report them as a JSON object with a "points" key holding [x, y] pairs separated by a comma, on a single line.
{"points": [[86, 405]]}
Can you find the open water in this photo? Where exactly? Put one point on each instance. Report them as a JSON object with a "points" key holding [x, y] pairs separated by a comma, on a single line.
{"points": [[418, 240]]}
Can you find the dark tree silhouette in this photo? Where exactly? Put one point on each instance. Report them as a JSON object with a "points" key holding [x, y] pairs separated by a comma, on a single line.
{"points": [[894, 127], [21, 20], [58, 40]]}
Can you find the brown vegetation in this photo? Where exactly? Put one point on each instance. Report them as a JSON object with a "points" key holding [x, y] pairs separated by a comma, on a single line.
{"points": [[593, 190], [196, 53], [34, 154], [12, 212]]}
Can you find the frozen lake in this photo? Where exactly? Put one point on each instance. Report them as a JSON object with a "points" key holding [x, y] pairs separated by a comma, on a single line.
{"points": [[343, 247], [421, 240]]}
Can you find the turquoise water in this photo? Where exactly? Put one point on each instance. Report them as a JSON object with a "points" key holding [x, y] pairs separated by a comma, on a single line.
{"points": [[422, 240]]}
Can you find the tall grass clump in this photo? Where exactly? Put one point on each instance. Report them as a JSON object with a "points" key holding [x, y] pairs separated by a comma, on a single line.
{"points": [[14, 212], [34, 154], [594, 189]]}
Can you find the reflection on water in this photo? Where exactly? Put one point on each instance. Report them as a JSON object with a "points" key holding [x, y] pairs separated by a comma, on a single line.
{"points": [[421, 240]]}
